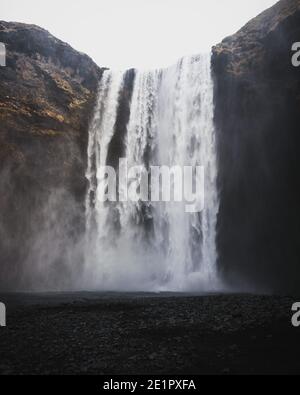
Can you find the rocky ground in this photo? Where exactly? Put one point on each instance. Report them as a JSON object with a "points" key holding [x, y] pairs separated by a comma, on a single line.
{"points": [[90, 333]]}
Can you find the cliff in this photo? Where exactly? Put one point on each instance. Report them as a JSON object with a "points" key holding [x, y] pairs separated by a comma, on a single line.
{"points": [[47, 94], [257, 98]]}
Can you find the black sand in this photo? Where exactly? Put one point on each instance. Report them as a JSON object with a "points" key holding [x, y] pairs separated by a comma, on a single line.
{"points": [[97, 333]]}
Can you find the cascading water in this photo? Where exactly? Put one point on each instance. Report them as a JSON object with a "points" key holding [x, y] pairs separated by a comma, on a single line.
{"points": [[152, 246], [100, 135]]}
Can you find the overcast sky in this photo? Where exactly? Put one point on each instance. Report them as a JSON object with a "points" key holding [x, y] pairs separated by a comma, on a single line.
{"points": [[136, 33]]}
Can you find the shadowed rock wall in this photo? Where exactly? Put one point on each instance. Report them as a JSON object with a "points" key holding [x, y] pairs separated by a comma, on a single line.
{"points": [[257, 97]]}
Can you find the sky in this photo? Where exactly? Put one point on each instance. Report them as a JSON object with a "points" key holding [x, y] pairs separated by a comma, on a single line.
{"points": [[145, 34]]}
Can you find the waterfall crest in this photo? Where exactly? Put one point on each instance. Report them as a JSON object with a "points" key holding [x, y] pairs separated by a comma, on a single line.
{"points": [[153, 246]]}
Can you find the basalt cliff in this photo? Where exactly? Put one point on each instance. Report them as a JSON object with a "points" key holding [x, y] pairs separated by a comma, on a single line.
{"points": [[47, 95], [257, 98]]}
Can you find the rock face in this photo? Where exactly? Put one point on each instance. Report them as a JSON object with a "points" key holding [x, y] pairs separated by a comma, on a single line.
{"points": [[47, 94], [257, 93]]}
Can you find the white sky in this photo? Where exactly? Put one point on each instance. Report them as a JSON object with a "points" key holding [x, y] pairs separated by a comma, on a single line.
{"points": [[136, 33]]}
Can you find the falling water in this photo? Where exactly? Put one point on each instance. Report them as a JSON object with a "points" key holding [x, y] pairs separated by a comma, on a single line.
{"points": [[100, 135], [143, 245]]}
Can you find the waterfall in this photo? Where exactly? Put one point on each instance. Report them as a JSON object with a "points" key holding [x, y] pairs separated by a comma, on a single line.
{"points": [[152, 245], [100, 135]]}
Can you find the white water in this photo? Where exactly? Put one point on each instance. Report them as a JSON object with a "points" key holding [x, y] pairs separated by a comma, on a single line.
{"points": [[154, 246]]}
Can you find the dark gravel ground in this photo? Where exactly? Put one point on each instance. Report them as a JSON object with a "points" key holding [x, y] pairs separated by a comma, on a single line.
{"points": [[90, 333]]}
